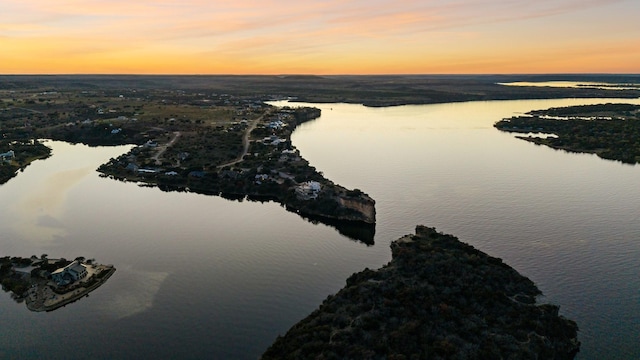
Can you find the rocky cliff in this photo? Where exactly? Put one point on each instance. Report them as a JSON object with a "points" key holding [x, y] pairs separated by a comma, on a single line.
{"points": [[363, 205], [335, 203], [438, 299]]}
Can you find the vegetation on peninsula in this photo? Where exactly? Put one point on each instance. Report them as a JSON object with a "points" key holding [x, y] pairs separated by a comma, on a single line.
{"points": [[208, 143], [438, 298], [611, 131]]}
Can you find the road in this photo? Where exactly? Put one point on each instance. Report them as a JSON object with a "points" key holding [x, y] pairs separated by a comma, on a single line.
{"points": [[163, 148], [245, 140]]}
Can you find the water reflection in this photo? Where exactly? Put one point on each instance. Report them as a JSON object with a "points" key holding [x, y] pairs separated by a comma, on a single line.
{"points": [[38, 212], [204, 277], [139, 291], [358, 231]]}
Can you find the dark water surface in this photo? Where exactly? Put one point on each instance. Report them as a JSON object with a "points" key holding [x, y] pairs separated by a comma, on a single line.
{"points": [[204, 277]]}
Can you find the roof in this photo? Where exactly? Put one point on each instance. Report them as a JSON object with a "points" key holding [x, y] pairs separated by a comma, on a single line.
{"points": [[77, 267], [24, 270]]}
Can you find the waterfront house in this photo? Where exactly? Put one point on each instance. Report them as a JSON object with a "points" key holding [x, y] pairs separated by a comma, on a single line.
{"points": [[308, 190], [69, 274], [8, 156]]}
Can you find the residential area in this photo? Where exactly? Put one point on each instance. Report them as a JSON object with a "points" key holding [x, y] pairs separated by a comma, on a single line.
{"points": [[238, 147]]}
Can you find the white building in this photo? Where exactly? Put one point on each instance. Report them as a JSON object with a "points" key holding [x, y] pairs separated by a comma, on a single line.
{"points": [[308, 190], [8, 156], [70, 273]]}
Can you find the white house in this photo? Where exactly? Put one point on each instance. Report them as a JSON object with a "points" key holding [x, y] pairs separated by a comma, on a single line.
{"points": [[8, 156], [308, 190], [70, 273], [276, 125]]}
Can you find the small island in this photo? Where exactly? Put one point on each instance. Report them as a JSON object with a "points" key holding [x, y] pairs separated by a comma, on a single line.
{"points": [[611, 131], [438, 298], [48, 284]]}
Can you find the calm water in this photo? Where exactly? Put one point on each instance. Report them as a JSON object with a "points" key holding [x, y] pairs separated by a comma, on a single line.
{"points": [[204, 277]]}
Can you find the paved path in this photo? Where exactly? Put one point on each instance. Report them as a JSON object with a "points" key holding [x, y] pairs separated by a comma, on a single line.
{"points": [[163, 148], [245, 140], [27, 109]]}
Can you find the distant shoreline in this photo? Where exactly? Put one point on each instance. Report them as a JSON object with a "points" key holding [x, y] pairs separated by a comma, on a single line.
{"points": [[611, 131], [369, 90]]}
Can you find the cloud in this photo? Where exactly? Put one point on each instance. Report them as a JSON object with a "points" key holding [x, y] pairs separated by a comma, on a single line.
{"points": [[276, 29], [192, 19]]}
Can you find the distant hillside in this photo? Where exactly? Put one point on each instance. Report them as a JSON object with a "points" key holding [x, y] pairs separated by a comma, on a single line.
{"points": [[379, 90]]}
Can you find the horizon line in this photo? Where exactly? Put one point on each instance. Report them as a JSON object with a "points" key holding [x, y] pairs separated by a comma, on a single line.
{"points": [[322, 75]]}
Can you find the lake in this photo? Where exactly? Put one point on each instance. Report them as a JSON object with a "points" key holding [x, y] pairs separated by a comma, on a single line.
{"points": [[205, 277]]}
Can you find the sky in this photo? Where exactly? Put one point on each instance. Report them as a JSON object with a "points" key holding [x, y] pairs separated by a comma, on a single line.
{"points": [[319, 36]]}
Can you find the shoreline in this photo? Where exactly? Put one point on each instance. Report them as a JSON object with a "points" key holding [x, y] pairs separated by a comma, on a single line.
{"points": [[233, 146], [270, 168], [607, 130], [77, 294], [45, 284]]}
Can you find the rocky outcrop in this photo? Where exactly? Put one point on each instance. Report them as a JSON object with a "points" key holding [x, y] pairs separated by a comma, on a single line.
{"points": [[363, 205], [438, 299]]}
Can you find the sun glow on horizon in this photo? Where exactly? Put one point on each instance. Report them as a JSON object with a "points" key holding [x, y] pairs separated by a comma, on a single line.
{"points": [[319, 37]]}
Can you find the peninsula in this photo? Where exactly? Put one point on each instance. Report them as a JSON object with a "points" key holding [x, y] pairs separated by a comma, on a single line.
{"points": [[438, 298], [208, 143], [217, 135], [48, 284], [265, 166], [611, 131]]}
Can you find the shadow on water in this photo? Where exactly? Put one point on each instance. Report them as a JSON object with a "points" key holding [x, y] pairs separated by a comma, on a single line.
{"points": [[354, 230]]}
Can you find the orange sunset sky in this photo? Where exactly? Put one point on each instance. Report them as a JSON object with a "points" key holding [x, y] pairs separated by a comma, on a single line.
{"points": [[318, 37]]}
